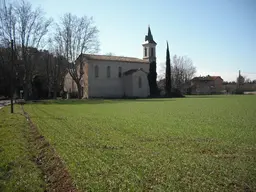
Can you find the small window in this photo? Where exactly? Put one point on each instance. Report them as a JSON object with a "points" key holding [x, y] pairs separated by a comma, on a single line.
{"points": [[140, 82], [119, 72], [96, 71], [152, 51], [108, 71], [145, 52]]}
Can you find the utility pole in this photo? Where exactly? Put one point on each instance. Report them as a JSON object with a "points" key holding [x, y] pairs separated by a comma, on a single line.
{"points": [[11, 75]]}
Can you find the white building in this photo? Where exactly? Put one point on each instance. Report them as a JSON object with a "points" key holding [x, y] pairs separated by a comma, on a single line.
{"points": [[114, 76]]}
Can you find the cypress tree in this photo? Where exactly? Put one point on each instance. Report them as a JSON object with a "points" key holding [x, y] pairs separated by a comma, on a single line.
{"points": [[152, 79], [168, 84]]}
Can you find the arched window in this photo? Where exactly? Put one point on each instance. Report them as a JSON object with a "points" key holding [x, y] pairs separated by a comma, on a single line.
{"points": [[152, 51], [145, 51], [140, 82], [96, 71], [108, 71], [119, 72]]}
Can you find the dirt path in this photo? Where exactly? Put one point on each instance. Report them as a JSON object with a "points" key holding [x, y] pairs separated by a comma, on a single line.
{"points": [[53, 168]]}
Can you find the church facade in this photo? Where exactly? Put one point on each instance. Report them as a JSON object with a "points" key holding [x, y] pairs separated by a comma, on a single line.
{"points": [[115, 76]]}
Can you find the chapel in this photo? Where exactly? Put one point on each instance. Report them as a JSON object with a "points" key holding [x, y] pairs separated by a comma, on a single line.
{"points": [[115, 76]]}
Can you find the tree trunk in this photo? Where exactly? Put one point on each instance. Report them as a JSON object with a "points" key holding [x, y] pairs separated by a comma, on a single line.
{"points": [[79, 89], [49, 91], [79, 92], [25, 89], [55, 94], [55, 89], [26, 78]]}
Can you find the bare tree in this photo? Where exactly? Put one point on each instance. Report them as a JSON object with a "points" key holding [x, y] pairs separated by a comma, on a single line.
{"points": [[8, 23], [5, 70], [247, 80], [7, 38], [76, 36], [31, 28], [110, 54], [53, 69], [26, 27], [182, 71]]}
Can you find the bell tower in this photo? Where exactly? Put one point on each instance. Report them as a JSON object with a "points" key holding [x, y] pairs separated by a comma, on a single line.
{"points": [[149, 47]]}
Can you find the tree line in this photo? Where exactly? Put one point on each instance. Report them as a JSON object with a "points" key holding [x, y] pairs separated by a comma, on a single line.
{"points": [[36, 53]]}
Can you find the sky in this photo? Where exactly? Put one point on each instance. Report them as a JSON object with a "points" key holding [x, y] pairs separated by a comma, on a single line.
{"points": [[219, 36]]}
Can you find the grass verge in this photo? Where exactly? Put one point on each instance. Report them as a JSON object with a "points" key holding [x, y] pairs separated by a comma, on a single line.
{"points": [[53, 168], [27, 161], [18, 172]]}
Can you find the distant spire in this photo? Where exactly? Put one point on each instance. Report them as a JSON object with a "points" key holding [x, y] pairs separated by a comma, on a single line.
{"points": [[149, 33], [149, 37]]}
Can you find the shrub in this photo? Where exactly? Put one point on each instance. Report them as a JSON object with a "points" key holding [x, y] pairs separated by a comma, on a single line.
{"points": [[177, 93]]}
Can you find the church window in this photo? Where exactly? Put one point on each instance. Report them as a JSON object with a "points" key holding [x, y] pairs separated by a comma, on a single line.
{"points": [[145, 52], [108, 71], [96, 71], [152, 51], [119, 71], [140, 82]]}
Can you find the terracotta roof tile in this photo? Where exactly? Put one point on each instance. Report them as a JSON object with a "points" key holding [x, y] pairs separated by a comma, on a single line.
{"points": [[206, 78], [215, 77], [114, 58]]}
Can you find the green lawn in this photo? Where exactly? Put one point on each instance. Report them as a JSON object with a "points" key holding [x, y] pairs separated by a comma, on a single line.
{"points": [[188, 144], [18, 172]]}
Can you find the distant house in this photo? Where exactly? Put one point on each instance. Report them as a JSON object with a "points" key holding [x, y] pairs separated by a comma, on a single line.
{"points": [[207, 85]]}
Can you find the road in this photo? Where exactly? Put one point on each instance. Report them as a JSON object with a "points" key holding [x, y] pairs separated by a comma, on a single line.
{"points": [[4, 103]]}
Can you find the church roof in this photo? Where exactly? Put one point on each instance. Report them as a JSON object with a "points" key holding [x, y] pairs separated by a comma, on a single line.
{"points": [[114, 58], [149, 38], [131, 71]]}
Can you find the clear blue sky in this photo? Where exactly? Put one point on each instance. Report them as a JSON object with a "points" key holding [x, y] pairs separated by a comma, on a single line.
{"points": [[218, 35]]}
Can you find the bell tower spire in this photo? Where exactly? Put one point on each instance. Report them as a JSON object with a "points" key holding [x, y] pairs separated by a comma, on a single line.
{"points": [[149, 47]]}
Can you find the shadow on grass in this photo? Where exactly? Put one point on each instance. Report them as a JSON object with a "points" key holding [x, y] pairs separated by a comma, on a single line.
{"points": [[99, 101]]}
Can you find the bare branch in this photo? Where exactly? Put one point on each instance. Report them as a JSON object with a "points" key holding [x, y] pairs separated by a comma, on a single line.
{"points": [[74, 37]]}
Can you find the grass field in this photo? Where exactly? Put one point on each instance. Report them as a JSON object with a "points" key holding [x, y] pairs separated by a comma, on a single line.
{"points": [[17, 171], [188, 144]]}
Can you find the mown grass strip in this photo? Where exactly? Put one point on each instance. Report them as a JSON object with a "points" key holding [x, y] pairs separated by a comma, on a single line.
{"points": [[45, 156], [27, 161], [18, 172]]}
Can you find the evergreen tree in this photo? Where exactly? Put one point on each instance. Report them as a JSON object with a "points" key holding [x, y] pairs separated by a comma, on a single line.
{"points": [[152, 79], [168, 83]]}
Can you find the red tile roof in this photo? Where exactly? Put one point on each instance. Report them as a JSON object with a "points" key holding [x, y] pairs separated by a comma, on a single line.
{"points": [[206, 78], [216, 77]]}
